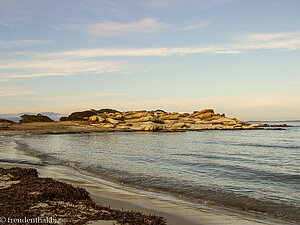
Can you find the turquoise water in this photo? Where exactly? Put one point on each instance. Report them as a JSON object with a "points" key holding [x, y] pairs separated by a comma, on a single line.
{"points": [[252, 170]]}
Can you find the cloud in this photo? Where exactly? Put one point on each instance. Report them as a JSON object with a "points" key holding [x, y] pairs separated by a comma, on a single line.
{"points": [[21, 43], [52, 67], [268, 36], [280, 41], [105, 52], [283, 41], [85, 61], [9, 91], [194, 26], [183, 4], [110, 29]]}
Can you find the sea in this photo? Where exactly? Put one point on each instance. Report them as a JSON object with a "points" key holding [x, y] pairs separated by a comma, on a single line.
{"points": [[250, 170]]}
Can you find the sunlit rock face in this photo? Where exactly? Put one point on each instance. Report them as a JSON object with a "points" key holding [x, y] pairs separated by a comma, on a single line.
{"points": [[160, 120]]}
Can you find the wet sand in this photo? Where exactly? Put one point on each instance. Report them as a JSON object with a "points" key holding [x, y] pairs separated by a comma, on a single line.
{"points": [[177, 212]]}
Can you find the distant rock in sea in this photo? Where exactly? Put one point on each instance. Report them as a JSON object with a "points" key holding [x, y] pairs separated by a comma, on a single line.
{"points": [[17, 116]]}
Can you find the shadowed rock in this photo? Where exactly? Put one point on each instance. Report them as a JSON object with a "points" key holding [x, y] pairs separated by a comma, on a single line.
{"points": [[32, 118]]}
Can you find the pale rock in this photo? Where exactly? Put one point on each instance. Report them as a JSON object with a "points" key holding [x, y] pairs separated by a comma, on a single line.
{"points": [[169, 117], [195, 114], [146, 119], [187, 120], [137, 115], [112, 121], [150, 126], [100, 119], [93, 118], [178, 125], [204, 116]]}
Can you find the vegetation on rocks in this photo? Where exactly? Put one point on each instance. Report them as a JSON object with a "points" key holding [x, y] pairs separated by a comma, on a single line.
{"points": [[84, 115], [158, 120], [34, 118], [5, 123]]}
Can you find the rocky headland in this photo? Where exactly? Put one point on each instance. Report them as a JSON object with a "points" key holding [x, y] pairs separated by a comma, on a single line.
{"points": [[113, 120]]}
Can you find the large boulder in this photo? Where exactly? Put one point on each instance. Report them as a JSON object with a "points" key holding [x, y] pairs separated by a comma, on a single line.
{"points": [[206, 111], [196, 113], [204, 116], [112, 121], [95, 118]]}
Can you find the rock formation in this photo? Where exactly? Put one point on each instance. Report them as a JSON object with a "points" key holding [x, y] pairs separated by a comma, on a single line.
{"points": [[34, 118], [160, 120]]}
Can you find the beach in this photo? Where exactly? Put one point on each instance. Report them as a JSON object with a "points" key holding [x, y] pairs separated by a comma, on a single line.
{"points": [[122, 197]]}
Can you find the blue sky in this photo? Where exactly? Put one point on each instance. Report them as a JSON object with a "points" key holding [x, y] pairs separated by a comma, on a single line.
{"points": [[240, 57]]}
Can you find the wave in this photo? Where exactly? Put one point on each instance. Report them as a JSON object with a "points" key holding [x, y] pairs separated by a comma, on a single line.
{"points": [[199, 193], [267, 146]]}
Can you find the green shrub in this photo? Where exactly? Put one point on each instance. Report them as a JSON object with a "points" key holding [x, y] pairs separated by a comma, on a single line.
{"points": [[34, 118], [77, 116]]}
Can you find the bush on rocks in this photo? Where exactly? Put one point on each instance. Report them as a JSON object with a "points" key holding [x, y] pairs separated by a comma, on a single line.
{"points": [[34, 118]]}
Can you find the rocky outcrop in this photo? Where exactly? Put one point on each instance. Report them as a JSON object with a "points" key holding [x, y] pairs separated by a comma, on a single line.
{"points": [[113, 120], [6, 123], [34, 118], [85, 115], [160, 120]]}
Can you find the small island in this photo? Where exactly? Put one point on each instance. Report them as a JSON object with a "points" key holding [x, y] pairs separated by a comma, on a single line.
{"points": [[114, 120]]}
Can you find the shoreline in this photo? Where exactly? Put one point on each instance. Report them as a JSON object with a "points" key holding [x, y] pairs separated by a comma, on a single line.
{"points": [[102, 192]]}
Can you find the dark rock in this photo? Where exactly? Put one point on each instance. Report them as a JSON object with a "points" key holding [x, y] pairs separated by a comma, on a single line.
{"points": [[32, 118], [6, 121], [78, 116]]}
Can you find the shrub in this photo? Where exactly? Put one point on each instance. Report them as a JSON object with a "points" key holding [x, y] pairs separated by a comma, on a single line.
{"points": [[34, 118]]}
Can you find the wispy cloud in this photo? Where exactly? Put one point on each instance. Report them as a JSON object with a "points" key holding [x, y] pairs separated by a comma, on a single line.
{"points": [[194, 26], [109, 29], [104, 52], [21, 43], [86, 61], [183, 4], [281, 41], [284, 41], [49, 67], [10, 91]]}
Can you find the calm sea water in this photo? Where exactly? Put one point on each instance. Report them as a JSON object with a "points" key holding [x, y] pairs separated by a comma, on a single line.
{"points": [[252, 170]]}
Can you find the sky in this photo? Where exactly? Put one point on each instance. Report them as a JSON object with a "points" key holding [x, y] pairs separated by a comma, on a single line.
{"points": [[239, 57]]}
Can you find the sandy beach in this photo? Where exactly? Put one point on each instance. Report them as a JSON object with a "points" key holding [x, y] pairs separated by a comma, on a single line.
{"points": [[120, 197]]}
